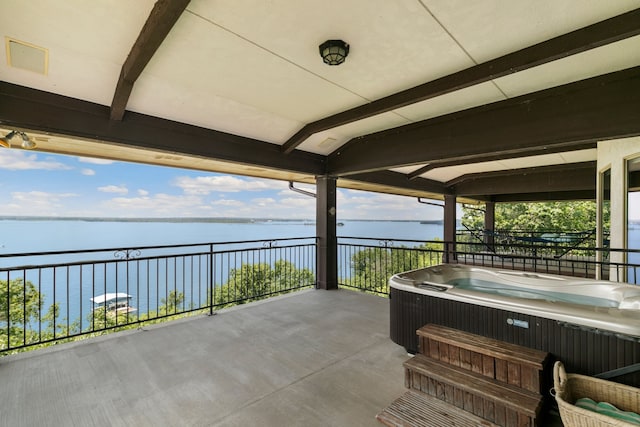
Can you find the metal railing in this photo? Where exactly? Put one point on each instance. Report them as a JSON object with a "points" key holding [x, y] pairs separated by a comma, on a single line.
{"points": [[367, 263], [52, 296]]}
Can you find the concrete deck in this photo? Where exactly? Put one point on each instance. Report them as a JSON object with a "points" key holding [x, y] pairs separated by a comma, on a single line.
{"points": [[313, 358]]}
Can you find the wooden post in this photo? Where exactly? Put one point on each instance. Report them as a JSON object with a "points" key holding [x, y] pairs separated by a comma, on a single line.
{"points": [[327, 245], [449, 228], [489, 224]]}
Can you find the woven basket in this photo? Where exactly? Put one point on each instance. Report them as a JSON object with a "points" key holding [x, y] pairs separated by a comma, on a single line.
{"points": [[571, 387]]}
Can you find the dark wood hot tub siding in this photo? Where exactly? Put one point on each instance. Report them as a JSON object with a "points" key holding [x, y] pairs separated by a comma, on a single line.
{"points": [[582, 352]]}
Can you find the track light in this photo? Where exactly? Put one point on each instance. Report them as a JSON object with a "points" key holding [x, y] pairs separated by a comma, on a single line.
{"points": [[4, 141], [27, 143]]}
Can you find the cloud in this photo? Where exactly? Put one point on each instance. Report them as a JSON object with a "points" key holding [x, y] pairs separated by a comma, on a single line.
{"points": [[19, 160], [36, 203], [160, 205], [356, 204], [120, 189], [95, 161], [88, 172], [203, 185], [227, 202], [142, 192], [263, 201]]}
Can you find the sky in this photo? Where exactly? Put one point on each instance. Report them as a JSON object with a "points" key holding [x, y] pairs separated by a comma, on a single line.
{"points": [[42, 184]]}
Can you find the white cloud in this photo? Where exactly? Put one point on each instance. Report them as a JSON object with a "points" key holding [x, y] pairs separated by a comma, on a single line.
{"points": [[160, 205], [142, 192], [120, 189], [88, 172], [227, 202], [355, 204], [226, 183], [19, 160], [95, 161], [35, 203]]}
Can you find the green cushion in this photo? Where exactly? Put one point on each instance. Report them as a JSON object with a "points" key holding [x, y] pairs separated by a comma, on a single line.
{"points": [[608, 409]]}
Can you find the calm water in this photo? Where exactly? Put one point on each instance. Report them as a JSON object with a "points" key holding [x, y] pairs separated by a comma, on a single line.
{"points": [[45, 236], [48, 236]]}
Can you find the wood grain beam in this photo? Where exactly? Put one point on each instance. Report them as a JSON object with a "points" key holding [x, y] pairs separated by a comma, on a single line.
{"points": [[608, 31], [568, 116], [399, 180], [576, 177], [26, 108], [163, 16], [492, 156], [531, 171]]}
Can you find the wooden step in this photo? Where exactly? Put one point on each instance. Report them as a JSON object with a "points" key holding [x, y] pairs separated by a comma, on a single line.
{"points": [[501, 403], [414, 409], [509, 363]]}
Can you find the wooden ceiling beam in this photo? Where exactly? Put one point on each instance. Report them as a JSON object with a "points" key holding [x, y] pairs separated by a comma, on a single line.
{"points": [[576, 177], [492, 157], [163, 16], [26, 108], [399, 180], [531, 171], [568, 116], [608, 31]]}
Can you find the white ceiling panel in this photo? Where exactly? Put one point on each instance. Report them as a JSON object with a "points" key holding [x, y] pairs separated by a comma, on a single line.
{"points": [[606, 59], [87, 43], [394, 45], [154, 97], [205, 60], [448, 173], [318, 143], [489, 29], [463, 99]]}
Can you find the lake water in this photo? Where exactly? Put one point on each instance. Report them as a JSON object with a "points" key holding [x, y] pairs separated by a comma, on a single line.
{"points": [[29, 236], [18, 236]]}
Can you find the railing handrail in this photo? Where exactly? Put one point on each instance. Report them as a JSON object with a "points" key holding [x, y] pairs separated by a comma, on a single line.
{"points": [[123, 248]]}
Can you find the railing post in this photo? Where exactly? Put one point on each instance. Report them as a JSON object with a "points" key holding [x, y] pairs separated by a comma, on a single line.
{"points": [[211, 281]]}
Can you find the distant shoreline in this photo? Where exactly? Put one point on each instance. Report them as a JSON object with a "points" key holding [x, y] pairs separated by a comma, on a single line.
{"points": [[197, 219]]}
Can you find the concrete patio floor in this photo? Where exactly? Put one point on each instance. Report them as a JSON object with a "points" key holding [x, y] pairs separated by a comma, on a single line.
{"points": [[312, 358]]}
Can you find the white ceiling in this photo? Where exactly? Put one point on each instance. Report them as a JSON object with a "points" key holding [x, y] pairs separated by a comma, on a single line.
{"points": [[252, 68]]}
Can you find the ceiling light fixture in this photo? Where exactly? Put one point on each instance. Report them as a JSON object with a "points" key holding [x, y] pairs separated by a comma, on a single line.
{"points": [[334, 52], [27, 143]]}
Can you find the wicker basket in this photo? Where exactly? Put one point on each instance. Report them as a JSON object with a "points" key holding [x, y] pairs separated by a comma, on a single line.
{"points": [[571, 387]]}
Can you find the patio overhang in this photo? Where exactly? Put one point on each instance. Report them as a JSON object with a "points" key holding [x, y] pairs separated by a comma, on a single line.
{"points": [[221, 88]]}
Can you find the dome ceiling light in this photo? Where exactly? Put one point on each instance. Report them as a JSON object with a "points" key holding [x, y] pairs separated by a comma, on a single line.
{"points": [[334, 52]]}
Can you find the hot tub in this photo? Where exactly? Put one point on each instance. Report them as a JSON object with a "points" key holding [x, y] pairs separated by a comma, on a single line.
{"points": [[592, 326]]}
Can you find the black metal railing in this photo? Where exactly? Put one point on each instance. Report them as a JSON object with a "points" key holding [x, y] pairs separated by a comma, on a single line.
{"points": [[52, 296], [549, 243], [367, 263]]}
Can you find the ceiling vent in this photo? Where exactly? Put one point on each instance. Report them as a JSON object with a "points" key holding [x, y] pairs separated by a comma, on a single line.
{"points": [[27, 56]]}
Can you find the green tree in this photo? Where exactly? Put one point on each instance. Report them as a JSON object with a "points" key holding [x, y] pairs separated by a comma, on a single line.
{"points": [[20, 305], [537, 217], [251, 282], [371, 268], [172, 304]]}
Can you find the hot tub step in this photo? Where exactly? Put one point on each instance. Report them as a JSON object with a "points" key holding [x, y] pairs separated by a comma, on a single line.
{"points": [[490, 399], [510, 363], [420, 410]]}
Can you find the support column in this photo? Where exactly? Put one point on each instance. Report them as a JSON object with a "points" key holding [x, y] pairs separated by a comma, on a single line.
{"points": [[489, 224], [449, 228], [327, 246]]}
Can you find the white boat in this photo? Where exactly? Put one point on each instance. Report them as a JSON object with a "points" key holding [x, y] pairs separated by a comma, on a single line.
{"points": [[114, 302]]}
